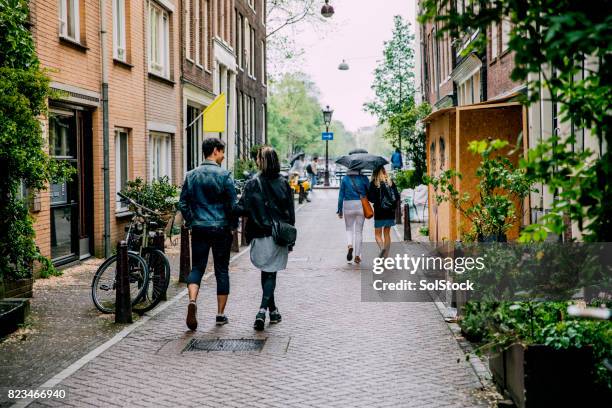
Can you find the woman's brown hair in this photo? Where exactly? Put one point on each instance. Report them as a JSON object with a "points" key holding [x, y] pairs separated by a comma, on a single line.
{"points": [[267, 161]]}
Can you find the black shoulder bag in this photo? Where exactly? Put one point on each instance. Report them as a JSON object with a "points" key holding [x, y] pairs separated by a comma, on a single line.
{"points": [[388, 198], [283, 233]]}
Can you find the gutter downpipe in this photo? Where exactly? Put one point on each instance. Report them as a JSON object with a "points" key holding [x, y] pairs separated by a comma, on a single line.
{"points": [[105, 130]]}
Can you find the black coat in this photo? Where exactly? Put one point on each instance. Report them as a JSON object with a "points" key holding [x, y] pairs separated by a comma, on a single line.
{"points": [[375, 197], [252, 204]]}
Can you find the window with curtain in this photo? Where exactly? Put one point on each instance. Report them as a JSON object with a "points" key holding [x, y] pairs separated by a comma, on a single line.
{"points": [[121, 165], [159, 45], [119, 47], [69, 20], [160, 155]]}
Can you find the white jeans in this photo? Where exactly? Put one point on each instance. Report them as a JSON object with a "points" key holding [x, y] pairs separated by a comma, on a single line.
{"points": [[353, 221]]}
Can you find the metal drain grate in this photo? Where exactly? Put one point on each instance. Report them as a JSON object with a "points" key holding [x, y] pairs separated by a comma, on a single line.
{"points": [[225, 345]]}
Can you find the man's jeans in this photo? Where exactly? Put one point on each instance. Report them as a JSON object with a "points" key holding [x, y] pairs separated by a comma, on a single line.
{"points": [[202, 240]]}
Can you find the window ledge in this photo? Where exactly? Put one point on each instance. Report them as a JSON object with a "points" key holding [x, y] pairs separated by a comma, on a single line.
{"points": [[161, 79], [123, 213], [123, 64], [74, 44]]}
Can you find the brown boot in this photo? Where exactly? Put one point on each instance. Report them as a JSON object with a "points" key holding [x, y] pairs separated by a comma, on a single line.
{"points": [[192, 321]]}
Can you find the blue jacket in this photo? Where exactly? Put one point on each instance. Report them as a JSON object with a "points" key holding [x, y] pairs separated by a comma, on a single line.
{"points": [[348, 192], [208, 197], [396, 159]]}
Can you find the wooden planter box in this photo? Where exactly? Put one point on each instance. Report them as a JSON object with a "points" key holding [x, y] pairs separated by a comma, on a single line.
{"points": [[20, 288], [541, 376], [12, 313]]}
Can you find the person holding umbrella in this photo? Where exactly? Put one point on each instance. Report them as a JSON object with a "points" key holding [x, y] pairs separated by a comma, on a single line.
{"points": [[383, 193], [350, 207]]}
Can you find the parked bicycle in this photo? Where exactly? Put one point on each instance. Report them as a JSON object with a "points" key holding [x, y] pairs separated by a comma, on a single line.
{"points": [[148, 267]]}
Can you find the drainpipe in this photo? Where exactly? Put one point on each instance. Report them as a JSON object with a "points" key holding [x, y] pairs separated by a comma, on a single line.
{"points": [[105, 134]]}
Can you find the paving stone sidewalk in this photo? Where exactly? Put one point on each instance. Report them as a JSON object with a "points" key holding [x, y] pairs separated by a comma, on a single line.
{"points": [[330, 350]]}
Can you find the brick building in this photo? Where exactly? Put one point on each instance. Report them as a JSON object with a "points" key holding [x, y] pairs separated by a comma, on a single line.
{"points": [[474, 98], [251, 78]]}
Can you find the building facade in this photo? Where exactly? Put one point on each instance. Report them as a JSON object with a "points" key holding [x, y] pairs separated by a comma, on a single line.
{"points": [[474, 97], [251, 79], [162, 62]]}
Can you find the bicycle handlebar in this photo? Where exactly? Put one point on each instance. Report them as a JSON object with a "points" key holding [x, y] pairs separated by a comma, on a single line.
{"points": [[590, 312], [134, 203]]}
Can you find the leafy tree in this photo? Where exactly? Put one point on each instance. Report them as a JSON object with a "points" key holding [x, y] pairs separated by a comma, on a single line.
{"points": [[24, 161], [409, 123], [394, 77], [552, 40]]}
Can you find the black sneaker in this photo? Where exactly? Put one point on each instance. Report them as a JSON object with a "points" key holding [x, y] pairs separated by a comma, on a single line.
{"points": [[221, 320], [275, 317], [192, 321], [349, 255], [260, 321]]}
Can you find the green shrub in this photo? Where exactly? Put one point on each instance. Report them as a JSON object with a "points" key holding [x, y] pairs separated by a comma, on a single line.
{"points": [[159, 195], [243, 165], [424, 231], [406, 179]]}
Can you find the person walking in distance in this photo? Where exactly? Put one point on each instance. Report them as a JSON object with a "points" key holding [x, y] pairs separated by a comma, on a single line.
{"points": [[207, 201], [383, 194], [396, 160], [352, 187], [267, 199], [311, 170]]}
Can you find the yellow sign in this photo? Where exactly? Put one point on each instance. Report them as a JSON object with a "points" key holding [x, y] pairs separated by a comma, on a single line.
{"points": [[215, 114]]}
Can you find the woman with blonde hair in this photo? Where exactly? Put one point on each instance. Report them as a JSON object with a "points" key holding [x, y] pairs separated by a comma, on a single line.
{"points": [[384, 196]]}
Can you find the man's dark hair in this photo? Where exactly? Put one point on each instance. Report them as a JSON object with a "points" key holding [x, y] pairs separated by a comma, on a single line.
{"points": [[209, 145]]}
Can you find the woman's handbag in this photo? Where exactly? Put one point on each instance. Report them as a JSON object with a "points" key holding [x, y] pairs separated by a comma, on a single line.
{"points": [[368, 212], [283, 233]]}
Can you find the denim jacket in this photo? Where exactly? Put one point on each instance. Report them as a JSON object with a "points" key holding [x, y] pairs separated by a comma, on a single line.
{"points": [[208, 197], [347, 190]]}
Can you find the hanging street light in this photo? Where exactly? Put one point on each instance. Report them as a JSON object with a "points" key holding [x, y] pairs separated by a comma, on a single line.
{"points": [[327, 117], [327, 11], [343, 66]]}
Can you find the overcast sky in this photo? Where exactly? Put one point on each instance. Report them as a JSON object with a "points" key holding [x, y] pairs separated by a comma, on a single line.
{"points": [[359, 29]]}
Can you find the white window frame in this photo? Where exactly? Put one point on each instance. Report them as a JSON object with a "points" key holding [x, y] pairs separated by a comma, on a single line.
{"points": [[494, 41], [161, 18], [198, 34], [252, 51], [252, 4], [63, 19], [121, 206], [119, 28], [263, 62], [505, 35], [160, 155], [188, 29]]}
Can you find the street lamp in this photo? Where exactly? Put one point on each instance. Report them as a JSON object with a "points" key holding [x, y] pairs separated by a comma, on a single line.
{"points": [[327, 11], [327, 117]]}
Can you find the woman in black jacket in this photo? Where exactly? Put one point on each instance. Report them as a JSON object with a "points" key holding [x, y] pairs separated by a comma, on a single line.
{"points": [[383, 194], [265, 196]]}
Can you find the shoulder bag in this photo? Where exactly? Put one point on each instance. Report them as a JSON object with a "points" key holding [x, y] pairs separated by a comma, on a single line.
{"points": [[283, 233], [388, 198], [368, 212]]}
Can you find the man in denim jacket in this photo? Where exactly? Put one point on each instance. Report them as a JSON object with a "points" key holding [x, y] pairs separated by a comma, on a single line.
{"points": [[207, 200]]}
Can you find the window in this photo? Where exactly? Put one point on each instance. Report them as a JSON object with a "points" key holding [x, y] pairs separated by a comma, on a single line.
{"points": [[221, 19], [442, 148], [121, 164], [205, 27], [69, 19], [119, 48], [494, 41], [505, 34], [469, 91], [252, 53], [159, 46], [240, 40], [252, 4], [198, 33], [160, 155], [263, 62], [188, 29], [247, 45]]}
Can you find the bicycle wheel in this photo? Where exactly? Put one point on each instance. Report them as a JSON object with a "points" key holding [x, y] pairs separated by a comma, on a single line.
{"points": [[104, 282], [159, 278]]}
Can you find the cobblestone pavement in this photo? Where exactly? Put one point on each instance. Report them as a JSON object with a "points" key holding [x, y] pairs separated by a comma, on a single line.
{"points": [[330, 350]]}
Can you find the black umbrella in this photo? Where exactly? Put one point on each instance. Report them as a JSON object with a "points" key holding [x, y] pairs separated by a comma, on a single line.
{"points": [[296, 156], [358, 150], [362, 161]]}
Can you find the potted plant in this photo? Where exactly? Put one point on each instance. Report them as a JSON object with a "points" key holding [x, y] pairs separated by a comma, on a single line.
{"points": [[160, 195]]}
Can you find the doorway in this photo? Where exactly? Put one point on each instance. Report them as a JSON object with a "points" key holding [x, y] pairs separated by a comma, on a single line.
{"points": [[71, 212]]}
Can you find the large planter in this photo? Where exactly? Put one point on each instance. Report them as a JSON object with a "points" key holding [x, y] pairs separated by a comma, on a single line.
{"points": [[19, 288], [541, 376], [12, 313]]}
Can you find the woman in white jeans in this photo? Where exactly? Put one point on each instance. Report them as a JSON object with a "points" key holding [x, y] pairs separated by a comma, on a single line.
{"points": [[352, 188]]}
